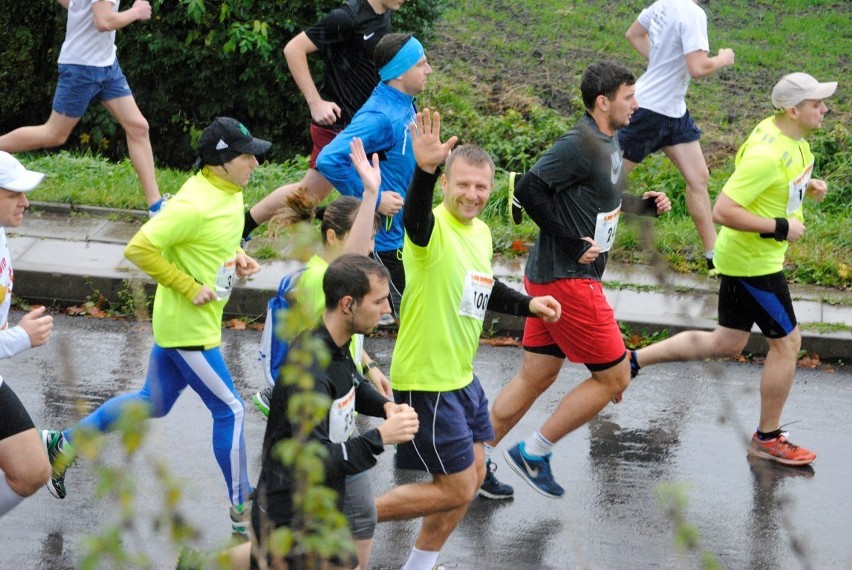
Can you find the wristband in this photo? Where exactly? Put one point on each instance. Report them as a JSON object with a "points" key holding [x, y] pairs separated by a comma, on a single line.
{"points": [[782, 227], [372, 364]]}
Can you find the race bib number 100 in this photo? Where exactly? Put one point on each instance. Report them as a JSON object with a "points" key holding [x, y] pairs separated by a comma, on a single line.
{"points": [[477, 291]]}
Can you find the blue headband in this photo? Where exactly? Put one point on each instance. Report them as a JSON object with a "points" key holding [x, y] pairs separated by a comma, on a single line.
{"points": [[405, 59]]}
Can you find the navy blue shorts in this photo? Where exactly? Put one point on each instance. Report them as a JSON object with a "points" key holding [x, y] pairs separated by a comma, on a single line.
{"points": [[79, 85], [648, 132], [450, 423], [763, 300]]}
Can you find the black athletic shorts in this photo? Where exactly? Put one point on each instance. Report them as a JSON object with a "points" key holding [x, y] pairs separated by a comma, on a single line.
{"points": [[765, 300], [14, 418]]}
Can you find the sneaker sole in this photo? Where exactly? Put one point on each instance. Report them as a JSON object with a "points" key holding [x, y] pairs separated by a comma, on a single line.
{"points": [[776, 459], [261, 407], [486, 495], [523, 474]]}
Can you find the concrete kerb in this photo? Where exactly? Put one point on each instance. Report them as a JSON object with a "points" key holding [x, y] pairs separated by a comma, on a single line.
{"points": [[637, 309]]}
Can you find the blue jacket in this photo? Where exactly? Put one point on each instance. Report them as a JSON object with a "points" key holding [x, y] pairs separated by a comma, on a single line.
{"points": [[382, 124]]}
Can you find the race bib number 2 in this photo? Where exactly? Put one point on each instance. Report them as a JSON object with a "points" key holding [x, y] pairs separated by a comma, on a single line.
{"points": [[605, 226], [477, 291]]}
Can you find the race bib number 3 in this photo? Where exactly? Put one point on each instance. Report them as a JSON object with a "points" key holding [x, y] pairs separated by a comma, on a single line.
{"points": [[477, 291], [605, 226], [225, 278], [341, 418]]}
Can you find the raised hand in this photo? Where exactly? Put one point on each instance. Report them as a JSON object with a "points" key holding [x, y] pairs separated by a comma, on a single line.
{"points": [[370, 173], [429, 151]]}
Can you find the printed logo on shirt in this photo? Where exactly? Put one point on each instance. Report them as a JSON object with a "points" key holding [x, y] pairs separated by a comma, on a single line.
{"points": [[616, 160], [368, 36]]}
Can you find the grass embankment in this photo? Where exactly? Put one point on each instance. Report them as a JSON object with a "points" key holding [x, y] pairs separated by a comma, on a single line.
{"points": [[507, 76]]}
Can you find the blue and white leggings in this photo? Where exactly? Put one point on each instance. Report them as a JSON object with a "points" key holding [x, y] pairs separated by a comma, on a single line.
{"points": [[170, 370]]}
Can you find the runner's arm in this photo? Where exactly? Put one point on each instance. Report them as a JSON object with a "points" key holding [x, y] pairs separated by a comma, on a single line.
{"points": [[296, 53], [334, 163], [639, 206], [368, 400], [13, 340], [537, 198], [417, 217], [145, 255], [107, 21], [637, 35], [700, 64], [508, 301]]}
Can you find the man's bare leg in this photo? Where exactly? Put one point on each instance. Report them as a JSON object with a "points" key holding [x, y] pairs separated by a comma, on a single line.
{"points": [[442, 503], [689, 159], [777, 378], [135, 126], [694, 345], [53, 133], [537, 374], [587, 399]]}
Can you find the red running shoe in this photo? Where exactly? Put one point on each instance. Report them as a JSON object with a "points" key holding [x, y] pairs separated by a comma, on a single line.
{"points": [[781, 450]]}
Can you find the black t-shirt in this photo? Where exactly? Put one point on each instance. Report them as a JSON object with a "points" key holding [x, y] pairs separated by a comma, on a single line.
{"points": [[346, 38], [583, 171]]}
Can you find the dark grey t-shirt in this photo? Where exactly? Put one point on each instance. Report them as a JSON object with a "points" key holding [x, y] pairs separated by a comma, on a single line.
{"points": [[583, 169]]}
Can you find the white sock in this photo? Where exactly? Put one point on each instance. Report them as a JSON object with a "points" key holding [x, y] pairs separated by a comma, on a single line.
{"points": [[709, 254], [488, 451], [9, 499], [421, 560], [537, 445]]}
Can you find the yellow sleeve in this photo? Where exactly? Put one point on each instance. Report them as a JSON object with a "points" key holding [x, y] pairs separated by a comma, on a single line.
{"points": [[143, 254]]}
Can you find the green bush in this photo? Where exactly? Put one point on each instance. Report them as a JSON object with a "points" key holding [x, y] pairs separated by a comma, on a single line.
{"points": [[192, 61]]}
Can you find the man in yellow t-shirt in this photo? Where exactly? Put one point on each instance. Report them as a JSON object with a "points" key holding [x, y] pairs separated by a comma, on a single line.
{"points": [[760, 209], [447, 258]]}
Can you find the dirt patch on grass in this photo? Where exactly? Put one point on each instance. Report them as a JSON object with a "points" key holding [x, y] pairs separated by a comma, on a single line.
{"points": [[499, 57]]}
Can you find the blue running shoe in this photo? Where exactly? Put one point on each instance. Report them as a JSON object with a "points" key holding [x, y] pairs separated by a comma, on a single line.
{"points": [[534, 470]]}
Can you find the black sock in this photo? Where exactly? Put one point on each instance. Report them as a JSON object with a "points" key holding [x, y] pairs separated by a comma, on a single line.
{"points": [[249, 225], [768, 435]]}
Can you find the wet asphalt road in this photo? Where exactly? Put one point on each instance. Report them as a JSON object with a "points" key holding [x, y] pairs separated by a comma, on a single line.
{"points": [[680, 427]]}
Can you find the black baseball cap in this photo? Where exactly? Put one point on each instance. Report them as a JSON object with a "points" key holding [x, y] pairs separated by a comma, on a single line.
{"points": [[225, 139]]}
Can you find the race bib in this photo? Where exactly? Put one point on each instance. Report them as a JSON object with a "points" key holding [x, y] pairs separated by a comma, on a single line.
{"points": [[798, 187], [341, 417], [605, 228], [477, 291], [225, 278]]}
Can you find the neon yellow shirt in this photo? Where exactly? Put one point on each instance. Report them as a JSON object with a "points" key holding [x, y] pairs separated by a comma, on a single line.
{"points": [[438, 338], [195, 239], [770, 179]]}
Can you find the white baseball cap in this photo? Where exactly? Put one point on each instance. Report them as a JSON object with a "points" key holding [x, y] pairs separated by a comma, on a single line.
{"points": [[14, 177], [794, 88]]}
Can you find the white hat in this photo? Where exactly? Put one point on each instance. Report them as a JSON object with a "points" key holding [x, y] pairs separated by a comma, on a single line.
{"points": [[794, 88], [14, 177]]}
